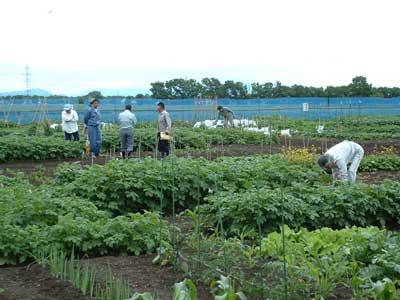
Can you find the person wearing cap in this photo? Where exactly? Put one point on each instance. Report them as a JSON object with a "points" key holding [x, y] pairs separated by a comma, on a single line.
{"points": [[69, 119], [127, 121], [164, 125], [337, 158], [227, 114], [92, 127]]}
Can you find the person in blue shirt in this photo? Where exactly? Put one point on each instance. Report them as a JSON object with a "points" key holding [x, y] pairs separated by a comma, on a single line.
{"points": [[92, 127]]}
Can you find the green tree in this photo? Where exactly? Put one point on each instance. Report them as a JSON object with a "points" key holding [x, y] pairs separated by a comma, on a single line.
{"points": [[212, 87], [94, 94], [235, 90], [158, 90], [360, 87]]}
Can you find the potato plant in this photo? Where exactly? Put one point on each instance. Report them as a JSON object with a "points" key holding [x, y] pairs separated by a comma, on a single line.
{"points": [[137, 185], [35, 218], [304, 206]]}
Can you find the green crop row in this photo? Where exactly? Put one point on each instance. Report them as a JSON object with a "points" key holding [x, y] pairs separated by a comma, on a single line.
{"points": [[351, 263], [36, 218], [385, 162], [37, 148], [20, 146], [350, 128], [136, 185], [302, 205], [365, 260]]}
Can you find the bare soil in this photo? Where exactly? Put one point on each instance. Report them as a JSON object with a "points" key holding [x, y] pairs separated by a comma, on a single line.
{"points": [[378, 176], [36, 283]]}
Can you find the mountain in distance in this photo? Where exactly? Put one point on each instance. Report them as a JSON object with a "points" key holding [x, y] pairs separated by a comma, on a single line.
{"points": [[32, 92]]}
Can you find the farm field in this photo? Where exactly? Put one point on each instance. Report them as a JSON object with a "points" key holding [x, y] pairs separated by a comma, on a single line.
{"points": [[233, 214]]}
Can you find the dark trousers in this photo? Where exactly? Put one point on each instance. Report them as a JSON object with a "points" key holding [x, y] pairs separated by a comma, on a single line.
{"points": [[126, 137], [163, 146], [68, 136]]}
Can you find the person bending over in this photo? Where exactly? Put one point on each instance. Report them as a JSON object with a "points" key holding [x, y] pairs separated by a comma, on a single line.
{"points": [[337, 159]]}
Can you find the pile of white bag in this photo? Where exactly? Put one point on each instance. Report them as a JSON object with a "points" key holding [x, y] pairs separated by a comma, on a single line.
{"points": [[210, 124], [320, 129], [264, 130]]}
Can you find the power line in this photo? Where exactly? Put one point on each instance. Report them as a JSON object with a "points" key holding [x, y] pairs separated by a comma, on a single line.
{"points": [[27, 81]]}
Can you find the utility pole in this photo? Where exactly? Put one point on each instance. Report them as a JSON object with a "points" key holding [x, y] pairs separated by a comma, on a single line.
{"points": [[27, 81]]}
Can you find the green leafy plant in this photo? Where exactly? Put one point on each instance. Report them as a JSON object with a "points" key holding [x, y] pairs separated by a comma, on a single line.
{"points": [[35, 218], [142, 296], [384, 290], [185, 290], [225, 290]]}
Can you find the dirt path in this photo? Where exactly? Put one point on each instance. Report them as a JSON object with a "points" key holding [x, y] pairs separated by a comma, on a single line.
{"points": [[378, 176], [36, 283]]}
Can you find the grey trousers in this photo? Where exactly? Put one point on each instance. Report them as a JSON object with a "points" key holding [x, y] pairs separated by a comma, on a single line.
{"points": [[126, 137], [228, 121]]}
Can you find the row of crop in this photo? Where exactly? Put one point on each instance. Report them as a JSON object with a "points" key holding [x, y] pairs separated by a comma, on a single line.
{"points": [[365, 260], [350, 128], [35, 218], [130, 186], [19, 146], [37, 148], [302, 205], [136, 185], [351, 263], [385, 160]]}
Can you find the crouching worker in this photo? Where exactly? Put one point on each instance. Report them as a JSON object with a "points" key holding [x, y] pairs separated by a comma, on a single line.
{"points": [[227, 114], [127, 121], [337, 159]]}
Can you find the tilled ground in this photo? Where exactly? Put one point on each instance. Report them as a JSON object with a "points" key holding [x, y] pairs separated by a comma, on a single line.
{"points": [[36, 283]]}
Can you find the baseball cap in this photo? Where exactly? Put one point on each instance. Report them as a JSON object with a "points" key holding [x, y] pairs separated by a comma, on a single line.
{"points": [[67, 106]]}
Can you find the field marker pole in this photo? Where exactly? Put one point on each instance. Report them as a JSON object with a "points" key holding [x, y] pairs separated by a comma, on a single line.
{"points": [[260, 240], [198, 223], [284, 244], [160, 249], [173, 208], [140, 145], [220, 228]]}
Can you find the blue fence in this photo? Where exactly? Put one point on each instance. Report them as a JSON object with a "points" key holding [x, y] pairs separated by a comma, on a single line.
{"points": [[25, 111]]}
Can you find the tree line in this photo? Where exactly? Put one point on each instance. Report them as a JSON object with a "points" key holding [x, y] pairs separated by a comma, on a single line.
{"points": [[212, 87]]}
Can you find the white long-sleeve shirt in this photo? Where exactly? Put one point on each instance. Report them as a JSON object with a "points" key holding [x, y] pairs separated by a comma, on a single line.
{"points": [[127, 119], [343, 154], [69, 121]]}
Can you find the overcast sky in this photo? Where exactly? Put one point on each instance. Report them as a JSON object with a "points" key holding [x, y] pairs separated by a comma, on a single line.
{"points": [[78, 45]]}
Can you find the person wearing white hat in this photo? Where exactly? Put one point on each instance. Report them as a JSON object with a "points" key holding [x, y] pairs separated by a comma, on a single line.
{"points": [[70, 123]]}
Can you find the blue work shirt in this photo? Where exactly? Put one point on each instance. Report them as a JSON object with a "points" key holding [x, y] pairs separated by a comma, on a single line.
{"points": [[92, 117]]}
